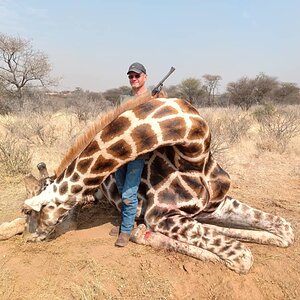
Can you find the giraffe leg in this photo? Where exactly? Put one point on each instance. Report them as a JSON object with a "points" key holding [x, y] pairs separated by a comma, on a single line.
{"points": [[243, 222], [142, 236], [185, 230]]}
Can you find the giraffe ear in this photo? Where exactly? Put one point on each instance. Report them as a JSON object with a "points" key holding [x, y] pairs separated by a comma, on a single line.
{"points": [[32, 185]]}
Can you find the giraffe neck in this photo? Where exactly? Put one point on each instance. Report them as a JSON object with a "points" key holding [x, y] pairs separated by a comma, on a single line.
{"points": [[153, 124]]}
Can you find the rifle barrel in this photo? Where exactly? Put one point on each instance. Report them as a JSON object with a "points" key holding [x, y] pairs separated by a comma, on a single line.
{"points": [[160, 84]]}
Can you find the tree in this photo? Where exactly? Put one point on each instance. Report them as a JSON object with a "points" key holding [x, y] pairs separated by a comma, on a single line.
{"points": [[113, 95], [287, 93], [172, 91], [191, 90], [21, 66], [211, 84], [247, 92]]}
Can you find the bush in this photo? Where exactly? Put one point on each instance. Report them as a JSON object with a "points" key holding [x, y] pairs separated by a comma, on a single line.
{"points": [[15, 158], [36, 129], [277, 129], [227, 129]]}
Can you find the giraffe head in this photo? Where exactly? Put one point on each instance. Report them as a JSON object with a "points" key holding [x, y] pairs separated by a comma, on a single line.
{"points": [[44, 221], [43, 212]]}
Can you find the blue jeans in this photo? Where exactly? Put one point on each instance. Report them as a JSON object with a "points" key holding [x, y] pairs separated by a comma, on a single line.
{"points": [[128, 179]]}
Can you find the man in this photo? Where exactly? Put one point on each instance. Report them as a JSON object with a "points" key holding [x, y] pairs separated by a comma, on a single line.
{"points": [[128, 177]]}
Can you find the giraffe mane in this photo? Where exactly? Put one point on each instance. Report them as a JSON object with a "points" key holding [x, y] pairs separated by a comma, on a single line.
{"points": [[85, 138]]}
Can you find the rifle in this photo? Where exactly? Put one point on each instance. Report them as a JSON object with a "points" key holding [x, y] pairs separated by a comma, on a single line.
{"points": [[159, 86]]}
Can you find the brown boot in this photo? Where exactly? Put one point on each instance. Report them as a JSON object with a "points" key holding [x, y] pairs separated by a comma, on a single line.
{"points": [[122, 240], [115, 231]]}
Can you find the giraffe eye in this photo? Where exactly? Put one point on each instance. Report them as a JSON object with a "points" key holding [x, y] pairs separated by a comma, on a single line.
{"points": [[51, 207]]}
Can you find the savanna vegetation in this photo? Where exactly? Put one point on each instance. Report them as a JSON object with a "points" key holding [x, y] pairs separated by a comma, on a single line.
{"points": [[255, 128]]}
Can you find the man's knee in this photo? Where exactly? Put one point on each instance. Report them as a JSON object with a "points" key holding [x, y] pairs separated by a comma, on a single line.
{"points": [[127, 201]]}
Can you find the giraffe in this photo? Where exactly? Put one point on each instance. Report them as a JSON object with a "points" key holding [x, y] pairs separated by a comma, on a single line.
{"points": [[183, 192]]}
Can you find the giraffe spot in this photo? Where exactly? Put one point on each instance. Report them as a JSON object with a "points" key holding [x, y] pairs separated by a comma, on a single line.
{"points": [[75, 177], [91, 149], [159, 171], [186, 107], [238, 246], [257, 214], [206, 231], [89, 191], [170, 154], [175, 236], [165, 111], [63, 188], [93, 181], [190, 209], [216, 171], [173, 129], [269, 217], [198, 129], [225, 248], [184, 220], [235, 204], [115, 128], [212, 206], [167, 196], [120, 149], [206, 240], [166, 224], [220, 188], [231, 253], [217, 242], [102, 165], [144, 137], [191, 150], [143, 110], [194, 183], [54, 188], [75, 189], [84, 164], [207, 142], [156, 214], [175, 229], [181, 193], [210, 163], [70, 168], [143, 188], [60, 177]]}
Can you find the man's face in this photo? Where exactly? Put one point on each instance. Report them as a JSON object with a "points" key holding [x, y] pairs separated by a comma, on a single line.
{"points": [[137, 80]]}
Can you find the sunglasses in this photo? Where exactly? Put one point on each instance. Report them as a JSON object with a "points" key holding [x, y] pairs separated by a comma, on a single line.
{"points": [[137, 76]]}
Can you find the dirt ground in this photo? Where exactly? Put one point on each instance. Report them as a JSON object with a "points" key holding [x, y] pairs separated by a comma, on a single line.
{"points": [[84, 264]]}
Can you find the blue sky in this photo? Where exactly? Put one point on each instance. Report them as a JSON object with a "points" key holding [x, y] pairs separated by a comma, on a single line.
{"points": [[90, 44]]}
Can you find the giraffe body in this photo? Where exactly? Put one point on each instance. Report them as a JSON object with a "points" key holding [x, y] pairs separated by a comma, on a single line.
{"points": [[183, 193]]}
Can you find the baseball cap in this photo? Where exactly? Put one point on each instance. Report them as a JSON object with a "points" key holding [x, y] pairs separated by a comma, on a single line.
{"points": [[137, 68]]}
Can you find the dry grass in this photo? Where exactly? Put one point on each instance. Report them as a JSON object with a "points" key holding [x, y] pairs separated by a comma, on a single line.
{"points": [[15, 157], [278, 126]]}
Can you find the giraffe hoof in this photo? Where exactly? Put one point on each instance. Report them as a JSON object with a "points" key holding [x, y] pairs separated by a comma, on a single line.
{"points": [[241, 264]]}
